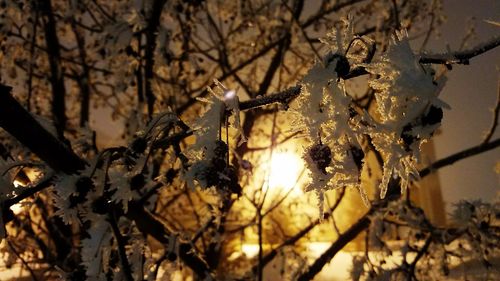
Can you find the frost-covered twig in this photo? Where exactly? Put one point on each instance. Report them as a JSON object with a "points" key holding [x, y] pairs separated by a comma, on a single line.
{"points": [[459, 156], [120, 241], [59, 157], [283, 97], [460, 57]]}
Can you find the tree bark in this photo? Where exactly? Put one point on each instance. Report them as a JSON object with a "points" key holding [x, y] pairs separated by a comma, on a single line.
{"points": [[56, 71], [21, 125]]}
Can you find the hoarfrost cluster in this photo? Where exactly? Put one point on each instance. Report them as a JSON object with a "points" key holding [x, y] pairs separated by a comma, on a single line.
{"points": [[408, 113], [127, 214]]}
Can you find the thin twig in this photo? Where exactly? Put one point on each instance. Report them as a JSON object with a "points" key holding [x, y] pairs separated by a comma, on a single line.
{"points": [[460, 57], [420, 254], [346, 237], [431, 27], [29, 191], [121, 248], [495, 118], [459, 156], [22, 260]]}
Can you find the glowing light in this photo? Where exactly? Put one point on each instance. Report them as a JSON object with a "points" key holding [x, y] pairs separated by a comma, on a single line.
{"points": [[285, 170], [17, 183], [250, 250], [229, 95], [17, 208]]}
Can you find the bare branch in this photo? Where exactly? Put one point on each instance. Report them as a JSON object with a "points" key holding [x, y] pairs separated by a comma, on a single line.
{"points": [[283, 97], [121, 247], [494, 124], [338, 245], [460, 57], [459, 156], [14, 119]]}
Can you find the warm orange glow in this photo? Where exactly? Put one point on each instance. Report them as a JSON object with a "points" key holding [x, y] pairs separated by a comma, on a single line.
{"points": [[17, 208], [250, 250], [285, 171]]}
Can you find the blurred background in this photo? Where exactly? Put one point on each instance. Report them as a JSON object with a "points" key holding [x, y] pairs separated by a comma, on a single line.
{"points": [[471, 91]]}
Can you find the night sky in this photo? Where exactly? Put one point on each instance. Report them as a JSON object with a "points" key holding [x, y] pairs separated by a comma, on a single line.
{"points": [[471, 91]]}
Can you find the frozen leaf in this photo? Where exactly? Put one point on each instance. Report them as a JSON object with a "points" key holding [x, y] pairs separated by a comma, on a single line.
{"points": [[323, 112], [121, 181], [96, 248], [232, 106], [409, 110]]}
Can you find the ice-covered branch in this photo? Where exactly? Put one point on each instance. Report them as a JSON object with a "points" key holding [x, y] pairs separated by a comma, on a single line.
{"points": [[283, 97], [460, 57], [13, 118]]}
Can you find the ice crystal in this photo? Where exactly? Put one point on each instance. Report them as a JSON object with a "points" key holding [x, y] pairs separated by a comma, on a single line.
{"points": [[122, 181], [202, 152], [232, 104], [404, 87], [340, 38], [68, 213], [323, 112], [408, 114], [408, 107], [209, 152], [64, 197], [96, 249]]}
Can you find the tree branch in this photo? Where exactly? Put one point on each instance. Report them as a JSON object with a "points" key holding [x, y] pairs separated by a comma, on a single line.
{"points": [[460, 57], [121, 247], [364, 222], [283, 97], [56, 69], [15, 119], [151, 31], [147, 224], [459, 156], [338, 245], [494, 124]]}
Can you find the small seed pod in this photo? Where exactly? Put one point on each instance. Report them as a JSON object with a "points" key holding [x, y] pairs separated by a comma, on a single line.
{"points": [[407, 137], [357, 155], [137, 181], [138, 145], [230, 182], [84, 184], [100, 206], [432, 117], [321, 155], [220, 154], [342, 67]]}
